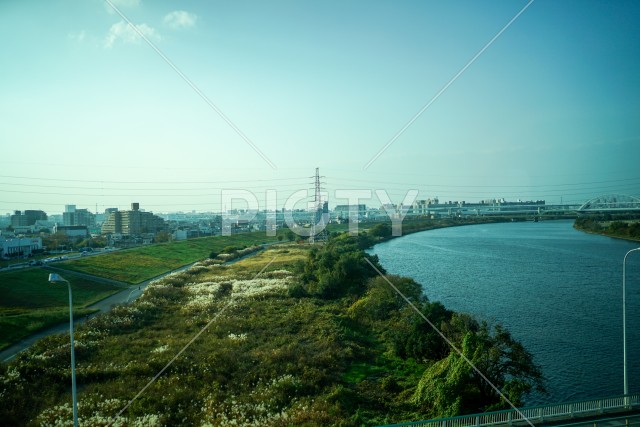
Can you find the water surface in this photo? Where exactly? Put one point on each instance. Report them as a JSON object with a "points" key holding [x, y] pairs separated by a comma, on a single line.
{"points": [[557, 290]]}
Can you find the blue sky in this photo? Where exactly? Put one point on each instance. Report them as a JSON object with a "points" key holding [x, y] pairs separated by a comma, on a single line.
{"points": [[92, 115]]}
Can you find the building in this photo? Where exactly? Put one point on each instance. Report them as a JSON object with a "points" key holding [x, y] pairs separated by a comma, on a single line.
{"points": [[27, 218], [423, 207], [342, 211], [72, 231], [133, 222], [19, 246], [73, 216]]}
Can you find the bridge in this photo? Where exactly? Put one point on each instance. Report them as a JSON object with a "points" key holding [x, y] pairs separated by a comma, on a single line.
{"points": [[612, 411], [611, 203]]}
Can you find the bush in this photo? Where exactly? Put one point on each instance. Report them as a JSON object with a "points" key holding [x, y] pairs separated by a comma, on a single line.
{"points": [[381, 230], [232, 250], [297, 291], [339, 268]]}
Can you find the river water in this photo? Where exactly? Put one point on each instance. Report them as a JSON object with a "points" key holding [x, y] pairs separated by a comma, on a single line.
{"points": [[556, 289]]}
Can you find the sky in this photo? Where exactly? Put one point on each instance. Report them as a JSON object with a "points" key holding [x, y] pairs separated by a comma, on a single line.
{"points": [[248, 96]]}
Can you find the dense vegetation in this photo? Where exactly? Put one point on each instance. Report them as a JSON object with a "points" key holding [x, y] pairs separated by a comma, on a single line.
{"points": [[294, 336], [608, 226]]}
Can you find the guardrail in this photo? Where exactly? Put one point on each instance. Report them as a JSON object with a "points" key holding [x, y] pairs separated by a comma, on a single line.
{"points": [[536, 414]]}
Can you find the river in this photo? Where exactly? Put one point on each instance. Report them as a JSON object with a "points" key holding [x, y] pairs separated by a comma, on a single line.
{"points": [[556, 289]]}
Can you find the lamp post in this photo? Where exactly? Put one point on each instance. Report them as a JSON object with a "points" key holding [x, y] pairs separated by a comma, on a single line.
{"points": [[56, 278], [624, 318]]}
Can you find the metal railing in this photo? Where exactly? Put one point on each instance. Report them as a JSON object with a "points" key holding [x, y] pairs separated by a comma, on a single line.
{"points": [[536, 414]]}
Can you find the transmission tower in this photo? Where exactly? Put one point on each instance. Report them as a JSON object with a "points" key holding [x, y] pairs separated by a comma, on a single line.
{"points": [[321, 213]]}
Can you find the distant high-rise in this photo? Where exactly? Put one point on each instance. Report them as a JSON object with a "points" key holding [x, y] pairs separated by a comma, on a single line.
{"points": [[133, 222], [29, 217], [73, 216]]}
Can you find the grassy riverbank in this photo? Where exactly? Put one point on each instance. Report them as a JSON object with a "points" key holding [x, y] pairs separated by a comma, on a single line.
{"points": [[30, 303], [295, 335], [627, 229], [138, 264]]}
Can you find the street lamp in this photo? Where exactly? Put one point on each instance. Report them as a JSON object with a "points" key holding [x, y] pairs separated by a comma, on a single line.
{"points": [[56, 278], [624, 319]]}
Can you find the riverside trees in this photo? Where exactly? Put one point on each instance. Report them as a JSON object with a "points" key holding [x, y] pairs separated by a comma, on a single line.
{"points": [[291, 336], [468, 366]]}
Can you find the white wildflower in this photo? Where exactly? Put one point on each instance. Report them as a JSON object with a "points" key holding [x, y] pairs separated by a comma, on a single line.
{"points": [[160, 349]]}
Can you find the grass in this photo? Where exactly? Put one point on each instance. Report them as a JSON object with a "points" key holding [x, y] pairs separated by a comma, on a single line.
{"points": [[267, 354], [254, 354], [30, 303], [20, 324], [138, 264]]}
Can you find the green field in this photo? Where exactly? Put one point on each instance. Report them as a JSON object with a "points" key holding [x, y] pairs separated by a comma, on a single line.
{"points": [[138, 264], [30, 303]]}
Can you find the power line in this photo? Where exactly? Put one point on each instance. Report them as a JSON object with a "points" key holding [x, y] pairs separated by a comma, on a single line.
{"points": [[146, 182]]}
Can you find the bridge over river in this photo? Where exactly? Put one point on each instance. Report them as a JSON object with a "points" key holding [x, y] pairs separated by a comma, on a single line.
{"points": [[611, 411]]}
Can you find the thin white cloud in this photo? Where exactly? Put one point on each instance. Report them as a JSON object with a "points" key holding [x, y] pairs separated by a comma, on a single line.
{"points": [[180, 19], [123, 32], [77, 37]]}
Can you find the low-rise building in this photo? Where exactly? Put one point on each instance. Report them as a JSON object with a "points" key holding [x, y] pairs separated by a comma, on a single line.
{"points": [[347, 211], [72, 231], [19, 246]]}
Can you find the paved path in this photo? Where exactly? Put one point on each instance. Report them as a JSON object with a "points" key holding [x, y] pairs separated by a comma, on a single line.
{"points": [[128, 294]]}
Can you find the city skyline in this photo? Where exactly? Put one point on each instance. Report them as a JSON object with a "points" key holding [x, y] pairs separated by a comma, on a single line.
{"points": [[524, 100]]}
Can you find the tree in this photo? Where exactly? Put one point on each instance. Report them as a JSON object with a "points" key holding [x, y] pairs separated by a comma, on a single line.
{"points": [[338, 268], [280, 237], [382, 230], [452, 384], [291, 236], [161, 237], [54, 241]]}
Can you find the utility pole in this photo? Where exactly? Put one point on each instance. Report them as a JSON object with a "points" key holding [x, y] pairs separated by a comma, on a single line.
{"points": [[320, 216]]}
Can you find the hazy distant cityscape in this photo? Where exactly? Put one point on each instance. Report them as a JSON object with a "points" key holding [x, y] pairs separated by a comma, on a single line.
{"points": [[138, 226]]}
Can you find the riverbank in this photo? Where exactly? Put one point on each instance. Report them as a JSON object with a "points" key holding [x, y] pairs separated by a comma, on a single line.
{"points": [[548, 283], [619, 229], [295, 334], [382, 232], [23, 337]]}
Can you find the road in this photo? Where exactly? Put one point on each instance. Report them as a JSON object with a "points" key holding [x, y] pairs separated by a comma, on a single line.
{"points": [[54, 259], [128, 294]]}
